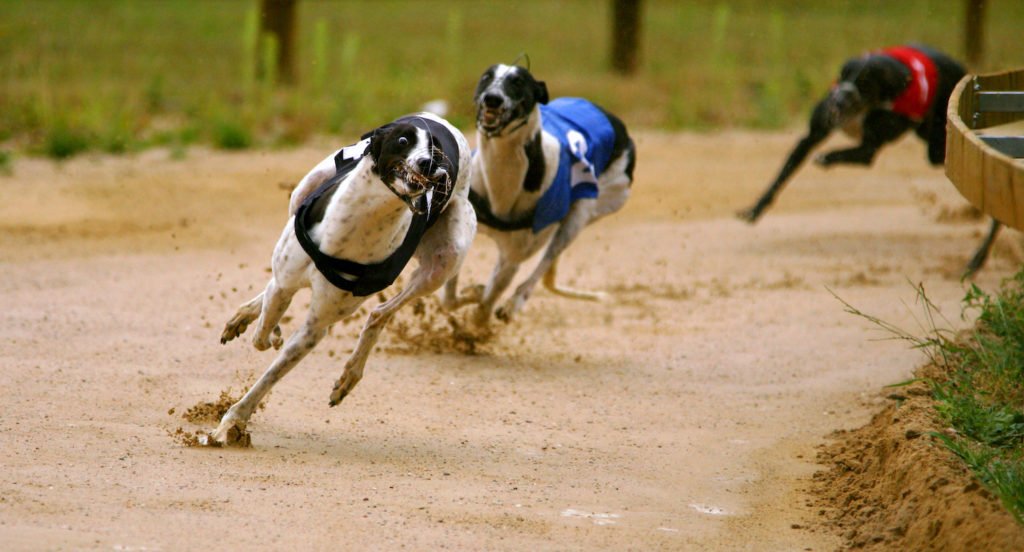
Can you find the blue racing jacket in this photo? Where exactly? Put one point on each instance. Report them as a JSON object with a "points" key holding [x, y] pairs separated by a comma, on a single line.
{"points": [[587, 139]]}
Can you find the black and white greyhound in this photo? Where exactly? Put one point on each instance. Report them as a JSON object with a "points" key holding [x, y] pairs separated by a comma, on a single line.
{"points": [[542, 172], [880, 96], [355, 221]]}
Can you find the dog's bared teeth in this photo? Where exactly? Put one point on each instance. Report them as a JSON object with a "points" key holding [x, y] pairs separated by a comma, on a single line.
{"points": [[489, 117]]}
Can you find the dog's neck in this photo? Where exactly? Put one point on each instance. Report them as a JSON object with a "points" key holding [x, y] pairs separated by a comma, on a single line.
{"points": [[365, 221], [501, 164]]}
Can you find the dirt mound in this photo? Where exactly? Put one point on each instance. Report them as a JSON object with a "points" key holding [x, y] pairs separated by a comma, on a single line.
{"points": [[958, 214], [891, 486]]}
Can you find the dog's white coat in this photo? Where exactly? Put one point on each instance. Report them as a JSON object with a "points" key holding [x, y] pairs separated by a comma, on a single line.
{"points": [[364, 222], [500, 166]]}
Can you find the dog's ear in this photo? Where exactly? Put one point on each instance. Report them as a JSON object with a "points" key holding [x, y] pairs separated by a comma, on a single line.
{"points": [[376, 143], [541, 92]]}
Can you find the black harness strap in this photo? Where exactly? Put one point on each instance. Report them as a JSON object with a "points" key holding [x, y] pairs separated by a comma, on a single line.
{"points": [[366, 279], [485, 216]]}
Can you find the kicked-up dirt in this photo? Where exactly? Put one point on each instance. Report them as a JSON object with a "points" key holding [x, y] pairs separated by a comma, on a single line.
{"points": [[682, 414]]}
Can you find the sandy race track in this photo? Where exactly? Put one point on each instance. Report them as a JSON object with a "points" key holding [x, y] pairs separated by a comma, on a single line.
{"points": [[683, 414]]}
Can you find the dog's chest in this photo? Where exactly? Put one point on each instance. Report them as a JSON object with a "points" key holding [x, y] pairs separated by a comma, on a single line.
{"points": [[363, 224], [515, 174]]}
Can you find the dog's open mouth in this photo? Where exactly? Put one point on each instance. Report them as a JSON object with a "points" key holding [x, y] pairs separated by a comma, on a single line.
{"points": [[418, 184], [491, 120]]}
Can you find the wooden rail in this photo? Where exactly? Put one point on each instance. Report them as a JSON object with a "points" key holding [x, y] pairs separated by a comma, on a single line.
{"points": [[985, 143]]}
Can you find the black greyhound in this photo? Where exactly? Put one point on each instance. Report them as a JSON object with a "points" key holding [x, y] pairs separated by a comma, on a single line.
{"points": [[880, 96]]}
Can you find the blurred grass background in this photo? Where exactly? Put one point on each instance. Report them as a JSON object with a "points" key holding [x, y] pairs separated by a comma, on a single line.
{"points": [[121, 75]]}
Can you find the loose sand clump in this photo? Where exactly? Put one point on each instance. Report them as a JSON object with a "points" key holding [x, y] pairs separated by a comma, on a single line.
{"points": [[186, 438], [211, 412], [207, 412], [891, 486], [426, 327]]}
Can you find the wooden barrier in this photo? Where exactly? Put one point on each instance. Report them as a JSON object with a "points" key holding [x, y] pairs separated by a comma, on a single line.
{"points": [[988, 108]]}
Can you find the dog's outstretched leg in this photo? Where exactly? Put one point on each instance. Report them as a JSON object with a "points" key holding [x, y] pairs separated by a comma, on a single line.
{"points": [[242, 318], [553, 287], [981, 255], [880, 128], [820, 127], [232, 425], [440, 255]]}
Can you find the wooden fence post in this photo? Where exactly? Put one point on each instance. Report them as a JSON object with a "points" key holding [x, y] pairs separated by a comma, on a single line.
{"points": [[626, 35], [278, 18], [974, 32]]}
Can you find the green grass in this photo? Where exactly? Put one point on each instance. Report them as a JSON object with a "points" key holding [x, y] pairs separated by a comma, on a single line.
{"points": [[117, 75], [980, 392], [5, 163], [982, 397]]}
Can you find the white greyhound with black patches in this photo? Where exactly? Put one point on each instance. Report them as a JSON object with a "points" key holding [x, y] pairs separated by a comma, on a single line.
{"points": [[356, 219], [543, 171]]}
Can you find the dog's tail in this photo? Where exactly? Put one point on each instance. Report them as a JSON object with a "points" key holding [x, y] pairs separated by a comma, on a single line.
{"points": [[553, 287]]}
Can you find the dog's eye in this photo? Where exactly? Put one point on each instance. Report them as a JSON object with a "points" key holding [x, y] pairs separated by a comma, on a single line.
{"points": [[403, 141]]}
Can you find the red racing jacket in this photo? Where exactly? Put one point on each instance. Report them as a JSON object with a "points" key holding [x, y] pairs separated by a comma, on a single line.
{"points": [[916, 100]]}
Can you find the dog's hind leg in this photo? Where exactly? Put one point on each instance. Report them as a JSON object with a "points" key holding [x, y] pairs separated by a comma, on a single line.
{"points": [[981, 255], [553, 287], [242, 318], [580, 214]]}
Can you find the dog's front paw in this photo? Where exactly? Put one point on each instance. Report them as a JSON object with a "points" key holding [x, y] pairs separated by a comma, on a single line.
{"points": [[230, 433], [274, 340], [234, 328], [343, 387], [749, 215], [509, 309], [823, 160]]}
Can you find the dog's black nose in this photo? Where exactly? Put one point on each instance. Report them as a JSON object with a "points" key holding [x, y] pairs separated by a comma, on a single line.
{"points": [[492, 100], [424, 166]]}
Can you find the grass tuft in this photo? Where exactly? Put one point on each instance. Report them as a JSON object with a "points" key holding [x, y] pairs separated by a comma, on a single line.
{"points": [[231, 134], [63, 141], [6, 163]]}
